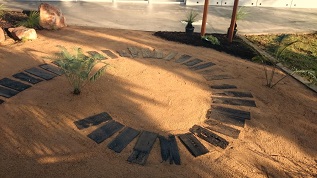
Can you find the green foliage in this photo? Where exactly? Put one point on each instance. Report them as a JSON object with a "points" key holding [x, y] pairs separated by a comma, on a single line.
{"points": [[283, 44], [212, 39], [33, 21], [299, 57], [191, 17], [78, 67], [2, 10]]}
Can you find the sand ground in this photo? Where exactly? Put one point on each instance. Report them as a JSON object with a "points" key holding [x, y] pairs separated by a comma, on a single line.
{"points": [[38, 137]]}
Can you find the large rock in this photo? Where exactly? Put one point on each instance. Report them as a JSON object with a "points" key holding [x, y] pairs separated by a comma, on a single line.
{"points": [[23, 33], [51, 17], [2, 35]]}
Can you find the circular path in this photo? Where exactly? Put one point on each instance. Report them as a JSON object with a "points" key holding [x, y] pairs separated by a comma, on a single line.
{"points": [[222, 124]]}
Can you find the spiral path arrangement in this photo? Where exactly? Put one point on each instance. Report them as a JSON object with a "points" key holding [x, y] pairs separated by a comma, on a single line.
{"points": [[219, 118]]}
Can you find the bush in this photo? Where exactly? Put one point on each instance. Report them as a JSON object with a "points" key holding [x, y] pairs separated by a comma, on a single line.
{"points": [[33, 21], [212, 39]]}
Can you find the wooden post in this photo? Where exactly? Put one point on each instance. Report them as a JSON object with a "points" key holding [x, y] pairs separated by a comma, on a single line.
{"points": [[233, 20], [203, 25]]}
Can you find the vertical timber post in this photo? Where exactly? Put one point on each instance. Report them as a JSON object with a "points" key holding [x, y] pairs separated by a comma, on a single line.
{"points": [[233, 20], [203, 26]]}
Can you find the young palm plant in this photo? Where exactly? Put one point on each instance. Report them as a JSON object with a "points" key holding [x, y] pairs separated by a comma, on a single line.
{"points": [[283, 44], [78, 67]]}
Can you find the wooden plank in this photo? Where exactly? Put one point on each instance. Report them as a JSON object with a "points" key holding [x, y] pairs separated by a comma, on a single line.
{"points": [[165, 147], [147, 53], [193, 145], [51, 68], [174, 152], [138, 157], [27, 78], [193, 62], [235, 94], [225, 119], [143, 148], [233, 101], [158, 54], [171, 56], [210, 137], [109, 53], [40, 73], [223, 86], [169, 149], [223, 129], [5, 92], [15, 85], [183, 58], [232, 112], [92, 120], [217, 77], [145, 141], [206, 72], [96, 54], [135, 52], [124, 53], [105, 131], [202, 66], [123, 139]]}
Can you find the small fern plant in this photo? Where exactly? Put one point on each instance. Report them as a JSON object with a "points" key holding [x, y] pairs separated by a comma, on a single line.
{"points": [[78, 67], [33, 21]]}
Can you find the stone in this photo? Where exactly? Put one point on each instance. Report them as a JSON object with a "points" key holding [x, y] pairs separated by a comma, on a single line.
{"points": [[51, 17], [23, 33], [2, 35]]}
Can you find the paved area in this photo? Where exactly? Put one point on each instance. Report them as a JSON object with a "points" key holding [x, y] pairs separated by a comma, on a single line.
{"points": [[167, 17]]}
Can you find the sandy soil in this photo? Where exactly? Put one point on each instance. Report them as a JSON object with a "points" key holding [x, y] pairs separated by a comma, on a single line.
{"points": [[38, 137]]}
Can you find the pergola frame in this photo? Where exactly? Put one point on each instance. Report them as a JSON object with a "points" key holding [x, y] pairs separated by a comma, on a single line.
{"points": [[232, 24]]}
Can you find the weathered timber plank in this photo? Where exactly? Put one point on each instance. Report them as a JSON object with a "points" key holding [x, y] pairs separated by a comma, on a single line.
{"points": [[92, 120], [193, 145], [51, 68], [209, 136], [15, 85], [8, 93], [40, 73], [105, 131], [233, 101], [123, 139], [223, 129]]}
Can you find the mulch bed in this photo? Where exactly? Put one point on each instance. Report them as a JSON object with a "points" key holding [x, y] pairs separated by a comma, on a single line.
{"points": [[12, 18], [237, 48]]}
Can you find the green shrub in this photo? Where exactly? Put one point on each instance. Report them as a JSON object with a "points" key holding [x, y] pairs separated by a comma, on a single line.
{"points": [[78, 67], [33, 21], [212, 39]]}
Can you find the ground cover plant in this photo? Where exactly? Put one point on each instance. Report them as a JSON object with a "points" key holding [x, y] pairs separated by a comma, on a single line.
{"points": [[301, 56]]}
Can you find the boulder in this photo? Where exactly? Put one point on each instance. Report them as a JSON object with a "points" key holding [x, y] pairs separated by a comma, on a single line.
{"points": [[23, 33], [2, 35], [51, 17]]}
